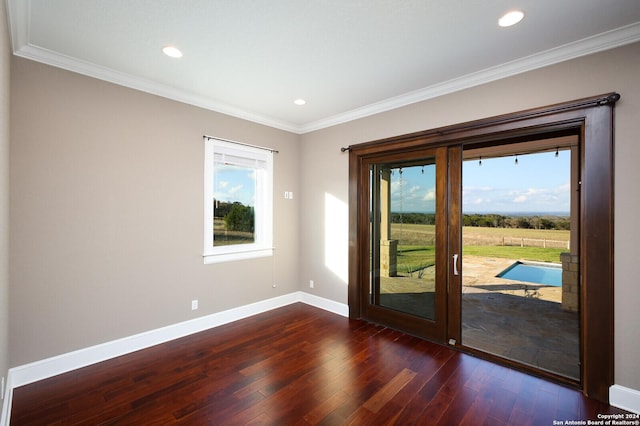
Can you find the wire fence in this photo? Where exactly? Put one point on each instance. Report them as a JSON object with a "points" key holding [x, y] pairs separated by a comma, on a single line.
{"points": [[515, 242], [427, 238]]}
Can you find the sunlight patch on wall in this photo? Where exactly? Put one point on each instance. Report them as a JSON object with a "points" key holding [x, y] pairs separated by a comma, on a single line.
{"points": [[336, 236]]}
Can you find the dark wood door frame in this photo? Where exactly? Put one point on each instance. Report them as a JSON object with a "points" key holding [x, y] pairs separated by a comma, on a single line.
{"points": [[433, 328], [592, 120]]}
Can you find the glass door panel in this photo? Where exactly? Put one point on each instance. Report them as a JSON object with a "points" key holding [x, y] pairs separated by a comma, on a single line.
{"points": [[404, 241], [407, 243]]}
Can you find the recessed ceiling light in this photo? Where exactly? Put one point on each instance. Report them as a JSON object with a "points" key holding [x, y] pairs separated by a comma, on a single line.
{"points": [[300, 102], [172, 52], [511, 18]]}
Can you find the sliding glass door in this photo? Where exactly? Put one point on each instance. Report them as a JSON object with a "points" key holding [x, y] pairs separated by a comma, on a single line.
{"points": [[450, 232], [433, 244]]}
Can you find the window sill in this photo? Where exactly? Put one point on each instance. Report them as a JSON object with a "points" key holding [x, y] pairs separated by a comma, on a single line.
{"points": [[239, 255]]}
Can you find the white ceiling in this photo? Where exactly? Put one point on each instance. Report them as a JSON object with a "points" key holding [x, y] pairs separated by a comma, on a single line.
{"points": [[346, 58]]}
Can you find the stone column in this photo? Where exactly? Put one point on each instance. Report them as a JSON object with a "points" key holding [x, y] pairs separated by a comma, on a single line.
{"points": [[570, 284], [389, 258], [388, 247], [571, 261]]}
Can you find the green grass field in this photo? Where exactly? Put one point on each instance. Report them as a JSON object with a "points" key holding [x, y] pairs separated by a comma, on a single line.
{"points": [[538, 254], [415, 249]]}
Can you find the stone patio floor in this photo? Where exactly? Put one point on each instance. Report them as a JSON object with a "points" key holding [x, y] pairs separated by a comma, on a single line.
{"points": [[520, 321]]}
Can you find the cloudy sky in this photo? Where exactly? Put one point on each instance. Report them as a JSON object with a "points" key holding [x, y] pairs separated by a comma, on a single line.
{"points": [[234, 183], [538, 183]]}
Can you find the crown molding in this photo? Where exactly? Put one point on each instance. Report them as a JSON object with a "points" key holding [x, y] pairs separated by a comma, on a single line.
{"points": [[18, 20], [18, 12], [598, 43], [89, 69]]}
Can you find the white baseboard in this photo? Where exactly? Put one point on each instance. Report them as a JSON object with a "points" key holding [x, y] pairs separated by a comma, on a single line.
{"points": [[625, 398], [43, 369], [6, 403], [326, 304]]}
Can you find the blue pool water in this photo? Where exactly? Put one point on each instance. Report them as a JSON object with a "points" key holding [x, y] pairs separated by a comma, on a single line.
{"points": [[533, 273]]}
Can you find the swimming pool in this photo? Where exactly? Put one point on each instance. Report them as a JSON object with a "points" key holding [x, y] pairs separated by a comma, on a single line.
{"points": [[534, 273]]}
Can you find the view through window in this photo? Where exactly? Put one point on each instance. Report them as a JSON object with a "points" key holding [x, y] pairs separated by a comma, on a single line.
{"points": [[405, 240], [234, 218], [238, 201], [520, 269]]}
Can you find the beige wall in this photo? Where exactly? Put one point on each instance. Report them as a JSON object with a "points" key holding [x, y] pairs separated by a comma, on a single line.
{"points": [[5, 60], [325, 169], [107, 213]]}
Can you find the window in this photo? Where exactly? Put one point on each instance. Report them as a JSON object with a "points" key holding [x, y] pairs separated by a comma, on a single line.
{"points": [[238, 201]]}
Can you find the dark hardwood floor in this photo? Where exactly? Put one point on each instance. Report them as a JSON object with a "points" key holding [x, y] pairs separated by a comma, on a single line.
{"points": [[299, 365]]}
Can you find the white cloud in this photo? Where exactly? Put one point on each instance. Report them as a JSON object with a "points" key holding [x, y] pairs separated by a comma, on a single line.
{"points": [[478, 201], [430, 195], [504, 199], [235, 189]]}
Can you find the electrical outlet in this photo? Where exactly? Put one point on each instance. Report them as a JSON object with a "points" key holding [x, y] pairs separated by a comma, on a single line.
{"points": [[311, 283], [194, 305]]}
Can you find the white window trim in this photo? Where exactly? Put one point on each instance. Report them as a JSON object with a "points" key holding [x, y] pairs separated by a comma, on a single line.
{"points": [[263, 209]]}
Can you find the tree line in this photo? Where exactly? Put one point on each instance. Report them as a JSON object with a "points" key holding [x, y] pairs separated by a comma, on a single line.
{"points": [[237, 216], [491, 220]]}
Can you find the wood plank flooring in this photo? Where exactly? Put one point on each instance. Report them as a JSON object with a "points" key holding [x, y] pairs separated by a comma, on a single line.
{"points": [[299, 365]]}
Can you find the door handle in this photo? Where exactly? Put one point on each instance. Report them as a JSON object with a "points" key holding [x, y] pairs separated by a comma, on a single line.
{"points": [[455, 264]]}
